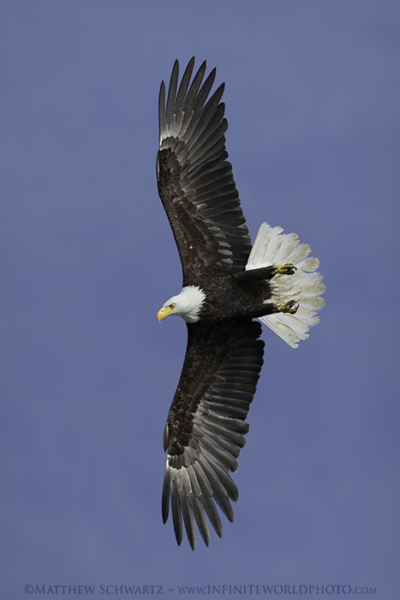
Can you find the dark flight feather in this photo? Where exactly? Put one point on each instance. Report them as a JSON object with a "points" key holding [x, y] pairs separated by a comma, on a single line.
{"points": [[195, 180], [206, 424]]}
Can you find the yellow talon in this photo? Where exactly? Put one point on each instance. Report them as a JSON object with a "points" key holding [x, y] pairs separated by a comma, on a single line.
{"points": [[290, 307], [286, 269]]}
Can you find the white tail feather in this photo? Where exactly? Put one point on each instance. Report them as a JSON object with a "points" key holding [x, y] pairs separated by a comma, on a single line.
{"points": [[304, 286]]}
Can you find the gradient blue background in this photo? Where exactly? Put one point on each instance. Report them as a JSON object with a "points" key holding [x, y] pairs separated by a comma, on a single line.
{"points": [[88, 258]]}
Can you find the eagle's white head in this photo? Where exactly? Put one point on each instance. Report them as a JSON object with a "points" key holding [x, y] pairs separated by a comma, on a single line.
{"points": [[187, 304]]}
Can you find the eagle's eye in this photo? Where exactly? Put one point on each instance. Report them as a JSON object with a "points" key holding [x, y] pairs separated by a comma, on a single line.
{"points": [[172, 305]]}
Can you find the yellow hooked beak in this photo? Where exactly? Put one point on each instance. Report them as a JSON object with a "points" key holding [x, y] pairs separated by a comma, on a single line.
{"points": [[165, 311]]}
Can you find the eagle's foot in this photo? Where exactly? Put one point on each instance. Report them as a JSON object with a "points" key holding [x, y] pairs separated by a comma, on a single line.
{"points": [[286, 269], [290, 307]]}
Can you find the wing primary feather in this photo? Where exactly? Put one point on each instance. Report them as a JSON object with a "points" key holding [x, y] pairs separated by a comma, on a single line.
{"points": [[176, 511], [211, 112], [201, 521], [216, 96], [172, 89], [196, 83], [212, 513], [207, 500], [183, 88], [166, 493], [226, 483], [219, 493], [205, 90], [194, 88], [184, 494], [161, 109], [209, 126]]}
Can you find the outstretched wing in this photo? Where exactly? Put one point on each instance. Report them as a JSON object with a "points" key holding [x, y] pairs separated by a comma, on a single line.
{"points": [[206, 424], [195, 181]]}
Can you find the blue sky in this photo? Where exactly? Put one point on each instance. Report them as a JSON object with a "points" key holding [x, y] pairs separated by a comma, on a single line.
{"points": [[88, 258]]}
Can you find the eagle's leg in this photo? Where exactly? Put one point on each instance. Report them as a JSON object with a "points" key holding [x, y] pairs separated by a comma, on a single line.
{"points": [[270, 308], [264, 273]]}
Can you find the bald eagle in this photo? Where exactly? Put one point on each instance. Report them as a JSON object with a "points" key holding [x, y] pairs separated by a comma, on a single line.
{"points": [[227, 284]]}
